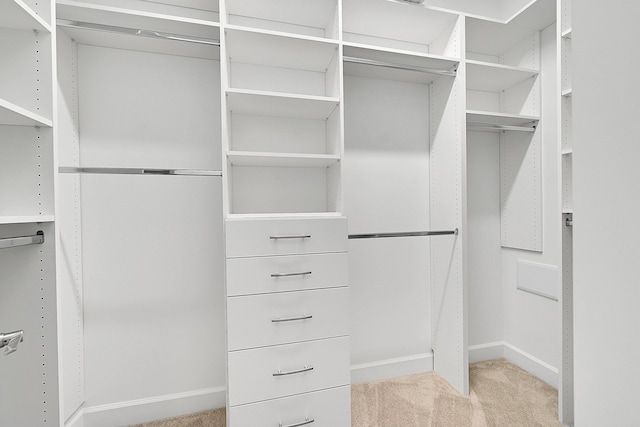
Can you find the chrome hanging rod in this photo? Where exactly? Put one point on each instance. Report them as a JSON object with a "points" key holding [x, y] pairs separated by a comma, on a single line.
{"points": [[403, 234], [12, 242], [135, 32], [137, 171], [448, 73], [488, 127]]}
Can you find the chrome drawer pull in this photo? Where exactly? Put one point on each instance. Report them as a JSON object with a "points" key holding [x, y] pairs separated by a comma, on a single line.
{"points": [[306, 421], [302, 236], [297, 371], [302, 273], [291, 319]]}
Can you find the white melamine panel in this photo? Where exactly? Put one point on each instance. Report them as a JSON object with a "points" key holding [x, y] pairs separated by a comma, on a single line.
{"points": [[25, 77], [327, 408], [447, 211], [263, 320], [390, 302], [29, 386], [169, 17], [174, 103], [278, 104], [329, 359], [258, 190], [566, 73], [17, 14], [254, 275], [567, 124], [489, 117], [153, 278], [567, 183], [398, 26], [540, 279], [26, 172], [272, 79], [318, 18], [255, 237], [397, 58], [386, 164], [279, 134], [489, 77], [239, 158], [193, 4], [521, 190]]}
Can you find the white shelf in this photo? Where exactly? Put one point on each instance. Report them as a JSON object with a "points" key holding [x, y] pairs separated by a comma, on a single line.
{"points": [[243, 158], [567, 92], [567, 211], [567, 152], [11, 114], [277, 104], [16, 14], [295, 17], [490, 77], [275, 49], [491, 118], [566, 33], [397, 57], [25, 219], [275, 216], [69, 10]]}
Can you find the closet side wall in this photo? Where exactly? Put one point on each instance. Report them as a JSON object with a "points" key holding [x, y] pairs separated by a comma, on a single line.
{"points": [[532, 331], [606, 233]]}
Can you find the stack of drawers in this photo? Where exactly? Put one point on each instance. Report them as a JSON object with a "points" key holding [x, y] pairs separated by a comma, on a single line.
{"points": [[287, 322]]}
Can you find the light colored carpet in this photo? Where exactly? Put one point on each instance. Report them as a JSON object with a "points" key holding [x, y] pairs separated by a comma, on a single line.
{"points": [[501, 394]]}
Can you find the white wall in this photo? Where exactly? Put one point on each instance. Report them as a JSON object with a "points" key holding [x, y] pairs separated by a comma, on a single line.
{"points": [[606, 103]]}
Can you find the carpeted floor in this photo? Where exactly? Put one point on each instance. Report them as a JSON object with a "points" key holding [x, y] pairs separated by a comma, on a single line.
{"points": [[501, 394]]}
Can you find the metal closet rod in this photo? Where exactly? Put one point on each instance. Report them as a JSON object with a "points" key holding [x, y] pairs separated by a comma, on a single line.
{"points": [[135, 32], [448, 73], [489, 127], [139, 171], [12, 242], [403, 234]]}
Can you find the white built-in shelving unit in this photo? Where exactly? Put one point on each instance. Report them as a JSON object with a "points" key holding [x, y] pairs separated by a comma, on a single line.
{"points": [[28, 296]]}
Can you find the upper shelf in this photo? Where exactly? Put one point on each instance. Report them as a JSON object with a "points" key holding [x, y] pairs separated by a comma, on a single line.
{"points": [[566, 33], [11, 114], [16, 14], [318, 18], [499, 119], [275, 49], [490, 77], [394, 64], [244, 158], [137, 30], [25, 219], [277, 104]]}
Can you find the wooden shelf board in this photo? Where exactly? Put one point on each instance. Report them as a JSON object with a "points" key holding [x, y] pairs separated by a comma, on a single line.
{"points": [[488, 117], [274, 49], [489, 77], [16, 14], [25, 219], [277, 104], [395, 56], [11, 114], [263, 159]]}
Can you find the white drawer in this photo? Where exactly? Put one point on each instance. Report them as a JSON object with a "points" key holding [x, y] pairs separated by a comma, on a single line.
{"points": [[327, 408], [267, 373], [271, 319], [260, 237], [286, 273]]}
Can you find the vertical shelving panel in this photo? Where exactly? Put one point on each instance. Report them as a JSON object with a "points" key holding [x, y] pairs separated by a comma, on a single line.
{"points": [[28, 296]]}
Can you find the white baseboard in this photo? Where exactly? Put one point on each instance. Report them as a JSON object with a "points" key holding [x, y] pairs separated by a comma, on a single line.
{"points": [[518, 357], [531, 364], [390, 368], [122, 414]]}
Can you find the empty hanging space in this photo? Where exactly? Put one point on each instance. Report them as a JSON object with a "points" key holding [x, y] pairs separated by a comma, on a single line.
{"points": [[316, 19]]}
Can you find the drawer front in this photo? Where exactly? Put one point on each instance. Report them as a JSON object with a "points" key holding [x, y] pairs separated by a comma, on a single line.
{"points": [[264, 237], [327, 408], [267, 373], [271, 319], [286, 273]]}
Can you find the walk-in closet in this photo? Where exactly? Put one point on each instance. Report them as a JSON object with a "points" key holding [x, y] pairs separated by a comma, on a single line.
{"points": [[253, 205]]}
